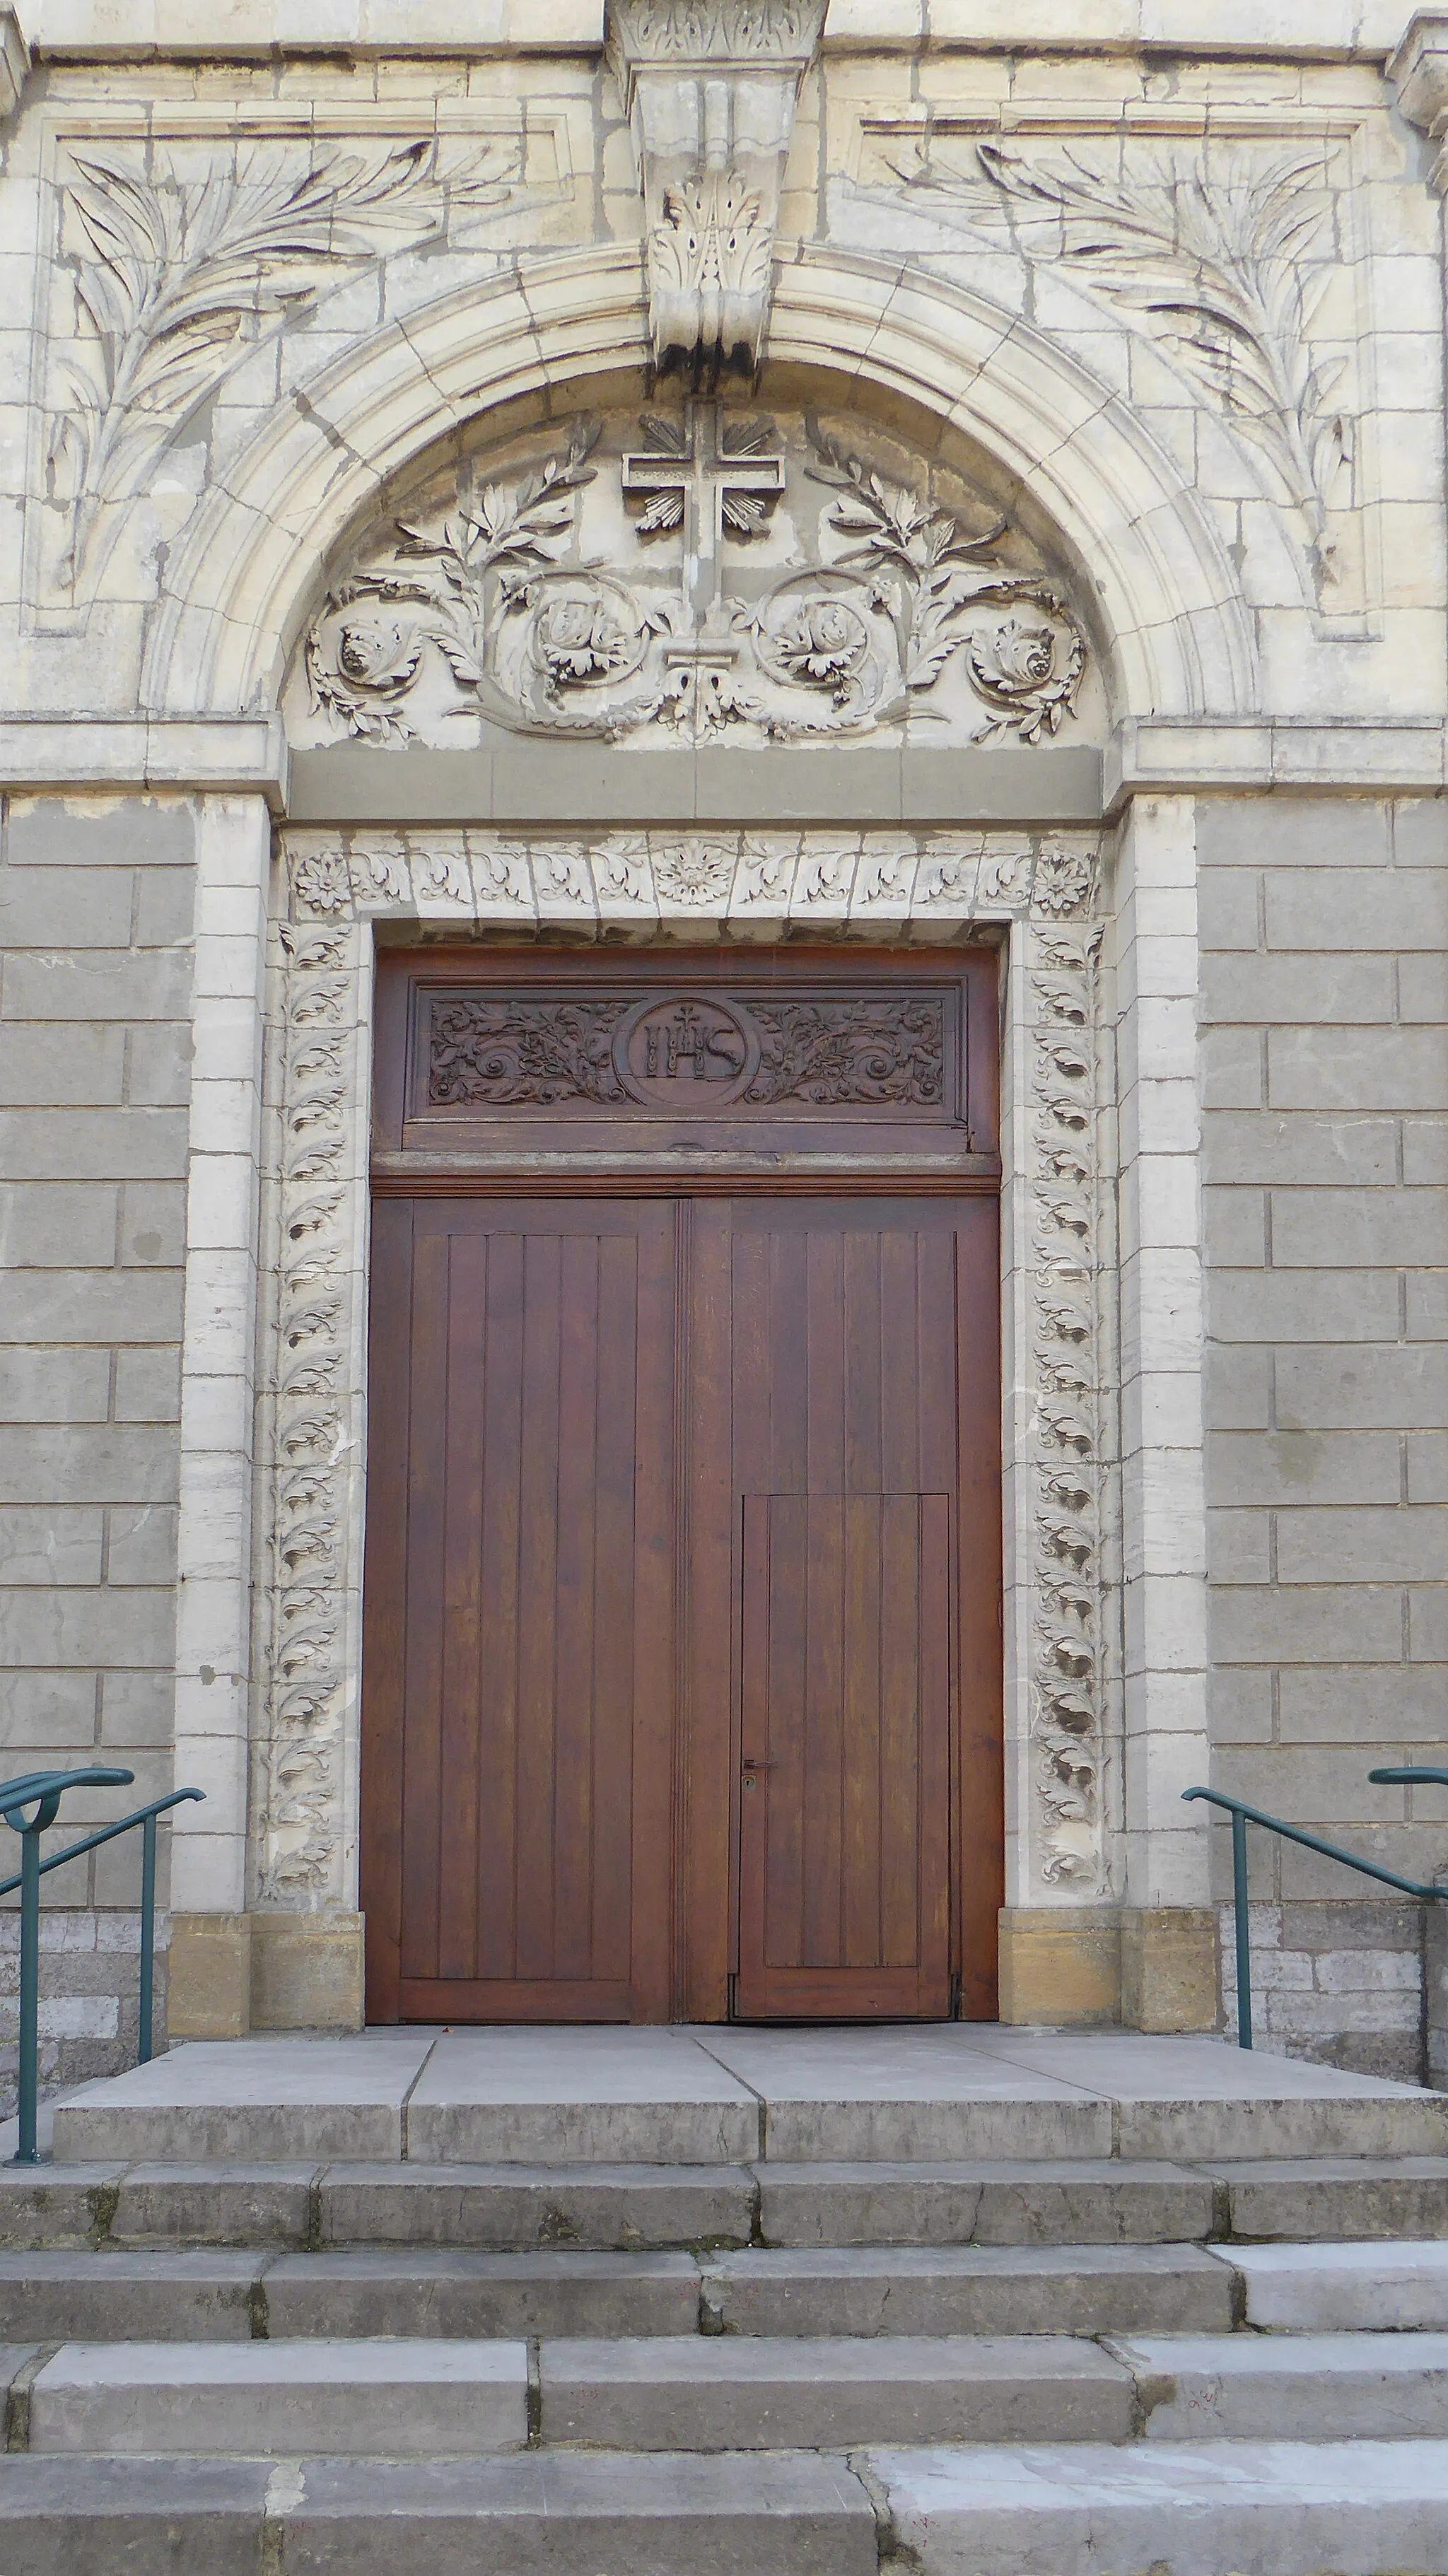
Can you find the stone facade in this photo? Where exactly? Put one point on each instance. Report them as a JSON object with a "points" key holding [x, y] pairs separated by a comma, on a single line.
{"points": [[396, 538]]}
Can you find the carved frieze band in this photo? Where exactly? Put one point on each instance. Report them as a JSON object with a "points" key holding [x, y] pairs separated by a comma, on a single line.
{"points": [[926, 887]]}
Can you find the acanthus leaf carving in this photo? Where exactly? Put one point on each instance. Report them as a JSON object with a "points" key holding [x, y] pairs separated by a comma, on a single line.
{"points": [[183, 272], [1222, 262]]}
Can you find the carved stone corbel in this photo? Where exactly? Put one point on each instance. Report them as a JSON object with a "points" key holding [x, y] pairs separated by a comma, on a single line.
{"points": [[1419, 73], [711, 87]]}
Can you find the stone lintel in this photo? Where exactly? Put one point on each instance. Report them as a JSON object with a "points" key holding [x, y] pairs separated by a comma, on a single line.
{"points": [[1249, 756], [1419, 72], [589, 785], [97, 31]]}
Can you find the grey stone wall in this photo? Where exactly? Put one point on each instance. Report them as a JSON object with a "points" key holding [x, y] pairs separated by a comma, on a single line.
{"points": [[96, 903], [1324, 1004]]}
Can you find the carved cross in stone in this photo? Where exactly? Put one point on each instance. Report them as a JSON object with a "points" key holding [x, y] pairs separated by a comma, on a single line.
{"points": [[710, 476]]}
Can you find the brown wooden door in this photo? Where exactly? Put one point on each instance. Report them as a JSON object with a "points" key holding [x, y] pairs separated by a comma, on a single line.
{"points": [[844, 1810], [520, 1656], [844, 1563]]}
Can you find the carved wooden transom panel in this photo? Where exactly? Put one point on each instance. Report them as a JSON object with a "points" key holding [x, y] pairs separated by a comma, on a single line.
{"points": [[709, 571], [502, 1057]]}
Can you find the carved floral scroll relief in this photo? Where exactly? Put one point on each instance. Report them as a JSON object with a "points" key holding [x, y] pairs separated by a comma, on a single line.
{"points": [[692, 573], [1223, 257], [1041, 890], [177, 256]]}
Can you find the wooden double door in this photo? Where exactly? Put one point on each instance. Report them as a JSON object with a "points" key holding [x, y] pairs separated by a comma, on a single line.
{"points": [[682, 1635]]}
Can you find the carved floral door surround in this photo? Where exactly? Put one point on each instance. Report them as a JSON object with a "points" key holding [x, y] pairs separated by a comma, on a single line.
{"points": [[1039, 895]]}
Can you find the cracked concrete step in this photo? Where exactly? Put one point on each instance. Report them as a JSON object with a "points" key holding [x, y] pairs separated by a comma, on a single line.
{"points": [[1310, 2388], [626, 2208], [538, 2514], [1337, 2197], [387, 2396], [1328, 2289], [229, 2297], [733, 2392], [1179, 2508], [985, 2289]]}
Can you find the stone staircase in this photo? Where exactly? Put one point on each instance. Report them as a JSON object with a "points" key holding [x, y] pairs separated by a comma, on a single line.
{"points": [[581, 2365]]}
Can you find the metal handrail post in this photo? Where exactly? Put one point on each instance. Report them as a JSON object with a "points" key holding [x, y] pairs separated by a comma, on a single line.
{"points": [[1241, 1926], [27, 2152], [148, 1934]]}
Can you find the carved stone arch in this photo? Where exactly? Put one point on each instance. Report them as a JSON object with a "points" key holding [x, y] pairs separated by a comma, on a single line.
{"points": [[1169, 602]]}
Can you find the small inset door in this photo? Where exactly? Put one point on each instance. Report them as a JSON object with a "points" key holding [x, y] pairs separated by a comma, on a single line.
{"points": [[844, 1879]]}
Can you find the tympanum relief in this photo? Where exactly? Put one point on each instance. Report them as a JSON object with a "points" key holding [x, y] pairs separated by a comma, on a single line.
{"points": [[689, 573]]}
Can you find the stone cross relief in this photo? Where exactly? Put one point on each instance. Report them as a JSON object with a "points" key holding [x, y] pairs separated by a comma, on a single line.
{"points": [[682, 572]]}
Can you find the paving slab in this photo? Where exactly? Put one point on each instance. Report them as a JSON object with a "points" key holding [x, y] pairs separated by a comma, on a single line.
{"points": [[62, 2517], [1181, 2509], [906, 2093], [54, 2297], [1311, 2388], [736, 2392], [249, 2101], [381, 2396], [982, 2289], [1339, 2197], [387, 2292], [574, 2514], [579, 2097], [213, 2204], [509, 2207], [1082, 2202], [1334, 2288]]}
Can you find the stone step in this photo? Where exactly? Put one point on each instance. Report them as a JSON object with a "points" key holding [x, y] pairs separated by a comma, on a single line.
{"points": [[385, 2396], [950, 2091], [734, 2392], [534, 2514], [231, 2296], [1180, 2508], [1308, 2387], [1326, 2289], [628, 2208], [985, 2289]]}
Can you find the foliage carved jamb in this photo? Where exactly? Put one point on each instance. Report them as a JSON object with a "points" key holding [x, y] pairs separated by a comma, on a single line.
{"points": [[1041, 892]]}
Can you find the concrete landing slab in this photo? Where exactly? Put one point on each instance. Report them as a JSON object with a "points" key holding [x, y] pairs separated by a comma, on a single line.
{"points": [[1185, 2509], [386, 2397], [579, 2097], [249, 2100], [719, 2096], [1308, 2388]]}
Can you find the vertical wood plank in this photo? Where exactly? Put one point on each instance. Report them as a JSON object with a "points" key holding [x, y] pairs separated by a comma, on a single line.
{"points": [[576, 1645], [427, 1466], [463, 1478], [867, 1606], [497, 1676], [538, 1607]]}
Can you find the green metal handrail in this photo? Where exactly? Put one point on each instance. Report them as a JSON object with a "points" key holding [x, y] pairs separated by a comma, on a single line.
{"points": [[43, 1790], [1243, 1815]]}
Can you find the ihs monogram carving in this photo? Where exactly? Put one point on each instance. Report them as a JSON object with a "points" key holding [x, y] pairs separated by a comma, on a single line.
{"points": [[705, 1053], [728, 594], [179, 272]]}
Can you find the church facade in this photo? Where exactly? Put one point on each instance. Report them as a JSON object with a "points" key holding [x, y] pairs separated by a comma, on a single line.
{"points": [[723, 1020]]}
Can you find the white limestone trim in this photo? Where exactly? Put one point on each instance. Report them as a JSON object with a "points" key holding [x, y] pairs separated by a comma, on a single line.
{"points": [[242, 580], [1039, 892]]}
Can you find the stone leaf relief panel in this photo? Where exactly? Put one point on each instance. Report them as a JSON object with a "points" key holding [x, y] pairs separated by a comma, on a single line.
{"points": [[692, 574], [1223, 257], [922, 887], [181, 256]]}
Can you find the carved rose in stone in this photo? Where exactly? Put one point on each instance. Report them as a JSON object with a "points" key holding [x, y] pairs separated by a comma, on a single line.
{"points": [[694, 871], [322, 882], [1029, 674], [580, 639], [823, 644]]}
